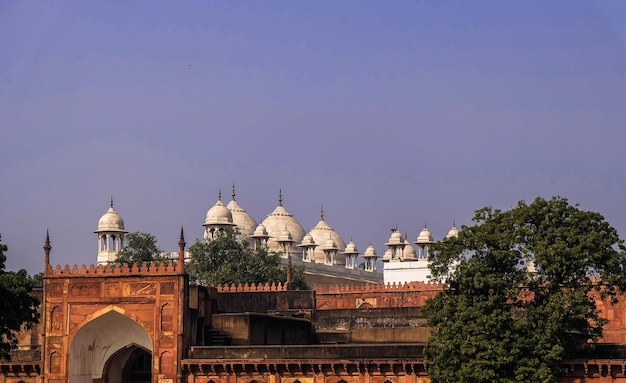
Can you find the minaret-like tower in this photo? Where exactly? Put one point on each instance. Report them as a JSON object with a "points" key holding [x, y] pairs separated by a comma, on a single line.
{"points": [[395, 246], [308, 246], [330, 251], [217, 218], [260, 237], [370, 257], [46, 248], [181, 251], [286, 240], [110, 236], [423, 242], [351, 254]]}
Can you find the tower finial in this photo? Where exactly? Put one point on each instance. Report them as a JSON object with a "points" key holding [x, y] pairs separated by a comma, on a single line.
{"points": [[322, 212], [454, 223], [46, 249], [219, 194], [280, 197], [233, 192], [181, 251], [111, 202]]}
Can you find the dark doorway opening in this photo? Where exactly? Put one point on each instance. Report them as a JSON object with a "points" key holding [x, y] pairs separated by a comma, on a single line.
{"points": [[132, 364]]}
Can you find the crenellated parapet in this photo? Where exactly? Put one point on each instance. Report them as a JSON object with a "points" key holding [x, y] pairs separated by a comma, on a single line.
{"points": [[113, 269], [246, 288]]}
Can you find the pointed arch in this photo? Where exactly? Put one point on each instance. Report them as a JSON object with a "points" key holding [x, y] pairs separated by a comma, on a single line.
{"points": [[94, 343]]}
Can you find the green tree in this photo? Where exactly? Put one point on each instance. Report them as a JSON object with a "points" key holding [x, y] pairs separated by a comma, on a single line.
{"points": [[227, 259], [18, 307], [139, 248], [517, 301]]}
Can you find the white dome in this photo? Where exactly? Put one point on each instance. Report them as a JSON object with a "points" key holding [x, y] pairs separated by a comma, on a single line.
{"points": [[329, 244], [260, 232], [110, 221], [409, 251], [351, 249], [307, 241], [245, 223], [278, 220], [395, 238], [321, 233], [424, 236], [370, 252], [219, 215], [285, 236], [454, 232], [387, 255]]}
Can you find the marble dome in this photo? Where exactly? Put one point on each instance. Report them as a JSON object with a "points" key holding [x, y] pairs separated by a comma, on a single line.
{"points": [[320, 234], [409, 251], [370, 252], [454, 232], [424, 237], [277, 221], [244, 221], [110, 221], [219, 215]]}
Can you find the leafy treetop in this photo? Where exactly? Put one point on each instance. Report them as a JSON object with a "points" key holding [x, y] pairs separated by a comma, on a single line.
{"points": [[18, 307], [226, 259], [517, 302], [139, 248]]}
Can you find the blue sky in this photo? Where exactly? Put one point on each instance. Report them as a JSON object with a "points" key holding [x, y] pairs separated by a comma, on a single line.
{"points": [[387, 113]]}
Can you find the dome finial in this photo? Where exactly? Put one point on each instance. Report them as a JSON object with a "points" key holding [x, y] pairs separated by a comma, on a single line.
{"points": [[454, 223], [111, 202], [219, 194], [280, 197], [233, 193], [322, 212]]}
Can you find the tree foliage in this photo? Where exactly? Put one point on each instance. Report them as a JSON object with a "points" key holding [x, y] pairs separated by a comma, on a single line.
{"points": [[227, 259], [139, 248], [517, 301], [18, 307]]}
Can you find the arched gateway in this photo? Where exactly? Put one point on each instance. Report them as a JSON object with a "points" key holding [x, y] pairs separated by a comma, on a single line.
{"points": [[114, 324], [111, 348]]}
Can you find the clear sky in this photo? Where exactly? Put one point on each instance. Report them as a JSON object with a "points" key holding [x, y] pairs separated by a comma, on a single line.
{"points": [[389, 113]]}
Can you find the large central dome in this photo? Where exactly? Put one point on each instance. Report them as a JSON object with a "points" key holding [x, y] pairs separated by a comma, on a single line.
{"points": [[245, 223], [321, 233], [277, 221]]}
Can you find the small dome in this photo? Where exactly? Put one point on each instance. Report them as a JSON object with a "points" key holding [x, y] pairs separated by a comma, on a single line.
{"points": [[395, 238], [219, 215], [370, 252], [387, 255], [260, 232], [330, 244], [110, 221], [307, 241], [409, 251], [351, 249], [424, 237], [454, 232], [285, 236]]}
